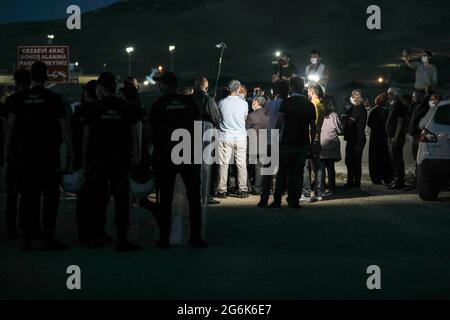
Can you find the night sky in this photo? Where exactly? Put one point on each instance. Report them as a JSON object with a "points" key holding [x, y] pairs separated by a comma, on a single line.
{"points": [[38, 10]]}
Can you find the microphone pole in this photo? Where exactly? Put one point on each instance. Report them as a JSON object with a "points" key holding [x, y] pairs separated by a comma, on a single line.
{"points": [[222, 46]]}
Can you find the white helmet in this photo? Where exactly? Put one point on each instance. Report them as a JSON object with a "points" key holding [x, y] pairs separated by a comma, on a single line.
{"points": [[142, 189], [72, 182]]}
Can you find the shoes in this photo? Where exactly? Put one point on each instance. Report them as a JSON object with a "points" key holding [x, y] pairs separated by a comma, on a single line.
{"points": [[390, 184], [274, 205], [263, 203], [410, 188], [126, 246], [54, 245], [197, 243], [329, 193], [243, 194], [222, 195], [305, 198], [319, 198], [397, 186], [213, 202]]}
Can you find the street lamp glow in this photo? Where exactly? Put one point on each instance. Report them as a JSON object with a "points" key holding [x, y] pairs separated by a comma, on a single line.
{"points": [[160, 69], [51, 36], [129, 50], [172, 48], [278, 54], [380, 80], [76, 64], [146, 83]]}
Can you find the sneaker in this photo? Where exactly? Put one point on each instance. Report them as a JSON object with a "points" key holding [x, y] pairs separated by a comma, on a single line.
{"points": [[243, 194], [305, 198], [319, 198], [222, 195], [213, 202], [263, 203], [127, 246], [54, 245]]}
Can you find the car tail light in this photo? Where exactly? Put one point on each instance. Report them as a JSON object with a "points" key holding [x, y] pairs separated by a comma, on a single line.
{"points": [[428, 137]]}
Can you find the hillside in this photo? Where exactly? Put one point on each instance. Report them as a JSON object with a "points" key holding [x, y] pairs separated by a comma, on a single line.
{"points": [[253, 30]]}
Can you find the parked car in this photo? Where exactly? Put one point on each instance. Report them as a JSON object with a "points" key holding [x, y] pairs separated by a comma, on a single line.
{"points": [[434, 154]]}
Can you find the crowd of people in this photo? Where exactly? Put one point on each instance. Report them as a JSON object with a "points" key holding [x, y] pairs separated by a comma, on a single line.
{"points": [[110, 137]]}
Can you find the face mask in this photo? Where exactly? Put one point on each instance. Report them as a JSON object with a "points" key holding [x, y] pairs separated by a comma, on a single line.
{"points": [[425, 59], [314, 60], [242, 96], [432, 104], [353, 101]]}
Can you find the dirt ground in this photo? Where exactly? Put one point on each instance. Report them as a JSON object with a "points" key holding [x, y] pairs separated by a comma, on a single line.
{"points": [[320, 252]]}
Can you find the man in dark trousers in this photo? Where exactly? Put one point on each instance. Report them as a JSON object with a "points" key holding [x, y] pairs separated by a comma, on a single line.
{"points": [[172, 112], [37, 122], [257, 120], [396, 132], [297, 125], [210, 116], [354, 133], [419, 110], [22, 79], [110, 148]]}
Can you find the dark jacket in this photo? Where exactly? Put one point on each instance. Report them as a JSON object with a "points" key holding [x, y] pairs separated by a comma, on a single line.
{"points": [[355, 131], [209, 111], [418, 112]]}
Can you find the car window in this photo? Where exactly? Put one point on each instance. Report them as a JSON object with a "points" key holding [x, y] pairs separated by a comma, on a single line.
{"points": [[442, 115]]}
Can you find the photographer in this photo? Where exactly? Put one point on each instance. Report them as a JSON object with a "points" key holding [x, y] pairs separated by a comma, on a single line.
{"points": [[284, 70]]}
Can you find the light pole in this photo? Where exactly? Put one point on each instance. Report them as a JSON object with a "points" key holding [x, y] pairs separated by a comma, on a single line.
{"points": [[172, 56], [50, 38], [129, 51]]}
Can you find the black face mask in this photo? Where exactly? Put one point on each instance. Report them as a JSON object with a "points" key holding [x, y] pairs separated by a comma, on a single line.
{"points": [[283, 62]]}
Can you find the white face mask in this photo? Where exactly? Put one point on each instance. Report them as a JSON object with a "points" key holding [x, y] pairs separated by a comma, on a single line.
{"points": [[314, 60], [432, 104], [242, 96], [425, 59], [352, 101]]}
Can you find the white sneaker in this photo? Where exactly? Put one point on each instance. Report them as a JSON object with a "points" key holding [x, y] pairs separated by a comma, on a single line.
{"points": [[305, 198], [319, 198]]}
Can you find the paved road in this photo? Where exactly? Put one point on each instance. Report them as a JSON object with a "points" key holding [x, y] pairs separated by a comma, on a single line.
{"points": [[322, 251]]}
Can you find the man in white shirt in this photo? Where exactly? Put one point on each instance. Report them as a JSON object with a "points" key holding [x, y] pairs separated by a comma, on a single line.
{"points": [[316, 72], [233, 140]]}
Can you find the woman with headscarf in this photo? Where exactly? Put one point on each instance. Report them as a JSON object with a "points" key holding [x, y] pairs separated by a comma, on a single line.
{"points": [[355, 121], [379, 162]]}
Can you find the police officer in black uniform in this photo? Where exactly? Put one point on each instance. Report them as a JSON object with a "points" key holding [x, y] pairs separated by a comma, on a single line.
{"points": [[169, 113], [37, 122], [22, 79], [110, 149]]}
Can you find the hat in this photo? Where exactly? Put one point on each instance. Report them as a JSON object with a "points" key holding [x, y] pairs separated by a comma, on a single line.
{"points": [[90, 87], [168, 78]]}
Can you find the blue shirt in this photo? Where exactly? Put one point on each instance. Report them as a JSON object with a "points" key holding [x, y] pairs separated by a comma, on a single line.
{"points": [[234, 112]]}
